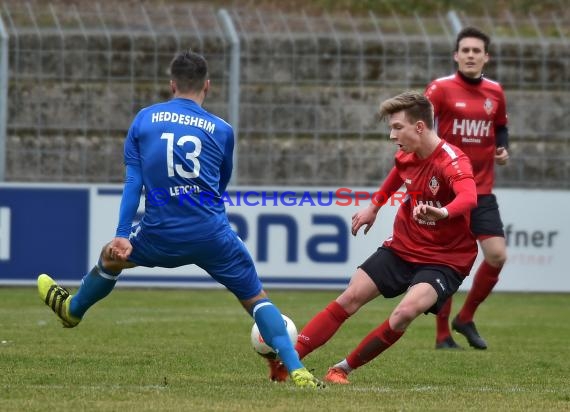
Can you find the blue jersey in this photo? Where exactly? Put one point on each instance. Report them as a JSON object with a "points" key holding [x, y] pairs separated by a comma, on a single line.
{"points": [[184, 155]]}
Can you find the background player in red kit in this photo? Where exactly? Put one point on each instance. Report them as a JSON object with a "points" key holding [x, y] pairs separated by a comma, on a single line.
{"points": [[470, 113], [431, 249]]}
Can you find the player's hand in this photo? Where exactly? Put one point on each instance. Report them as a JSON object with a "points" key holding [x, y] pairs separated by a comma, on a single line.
{"points": [[428, 213], [119, 248], [366, 216], [501, 156]]}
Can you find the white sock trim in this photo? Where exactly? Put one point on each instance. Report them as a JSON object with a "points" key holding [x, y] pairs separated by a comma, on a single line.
{"points": [[105, 275], [259, 306], [343, 364]]}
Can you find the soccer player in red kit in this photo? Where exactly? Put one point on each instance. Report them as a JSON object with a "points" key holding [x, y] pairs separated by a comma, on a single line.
{"points": [[470, 112], [430, 251]]}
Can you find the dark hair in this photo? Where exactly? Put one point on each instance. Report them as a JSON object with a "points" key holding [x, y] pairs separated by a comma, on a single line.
{"points": [[473, 32], [415, 105], [189, 71]]}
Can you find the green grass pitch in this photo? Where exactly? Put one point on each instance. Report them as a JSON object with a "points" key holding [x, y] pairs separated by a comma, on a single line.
{"points": [[189, 350]]}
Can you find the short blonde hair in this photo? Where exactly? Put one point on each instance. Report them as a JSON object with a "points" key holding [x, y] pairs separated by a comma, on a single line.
{"points": [[415, 105]]}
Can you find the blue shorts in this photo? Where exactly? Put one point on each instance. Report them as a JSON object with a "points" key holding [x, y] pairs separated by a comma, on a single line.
{"points": [[225, 258]]}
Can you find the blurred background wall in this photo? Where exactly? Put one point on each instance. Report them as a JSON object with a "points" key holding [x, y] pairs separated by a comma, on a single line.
{"points": [[302, 96]]}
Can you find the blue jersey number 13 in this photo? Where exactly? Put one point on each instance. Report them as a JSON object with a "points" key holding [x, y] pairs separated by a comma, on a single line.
{"points": [[191, 156]]}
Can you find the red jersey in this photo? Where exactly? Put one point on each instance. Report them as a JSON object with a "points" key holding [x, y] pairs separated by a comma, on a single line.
{"points": [[466, 115], [445, 242]]}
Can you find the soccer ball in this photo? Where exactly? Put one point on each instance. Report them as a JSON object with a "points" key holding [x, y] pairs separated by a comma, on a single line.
{"points": [[263, 348]]}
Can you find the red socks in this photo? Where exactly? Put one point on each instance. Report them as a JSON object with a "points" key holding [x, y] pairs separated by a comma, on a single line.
{"points": [[320, 329], [486, 278], [442, 321], [373, 345]]}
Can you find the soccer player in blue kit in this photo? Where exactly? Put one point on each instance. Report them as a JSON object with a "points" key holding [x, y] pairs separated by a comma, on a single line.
{"points": [[177, 150]]}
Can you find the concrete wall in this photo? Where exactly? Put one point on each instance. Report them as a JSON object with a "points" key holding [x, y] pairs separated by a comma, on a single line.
{"points": [[308, 103]]}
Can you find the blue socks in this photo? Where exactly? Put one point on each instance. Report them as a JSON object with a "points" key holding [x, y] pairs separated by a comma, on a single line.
{"points": [[95, 285], [274, 333]]}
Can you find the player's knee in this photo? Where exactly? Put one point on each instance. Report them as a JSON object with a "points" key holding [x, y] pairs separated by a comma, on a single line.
{"points": [[350, 301], [403, 315], [496, 258], [105, 252], [105, 255], [111, 267]]}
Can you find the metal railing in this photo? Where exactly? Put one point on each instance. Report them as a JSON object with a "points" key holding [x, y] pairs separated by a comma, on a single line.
{"points": [[301, 90]]}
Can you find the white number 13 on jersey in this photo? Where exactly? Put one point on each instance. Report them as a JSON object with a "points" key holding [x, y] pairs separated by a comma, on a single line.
{"points": [[192, 156]]}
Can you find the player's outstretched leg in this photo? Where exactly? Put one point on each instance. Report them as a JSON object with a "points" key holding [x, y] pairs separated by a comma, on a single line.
{"points": [[272, 328], [70, 309], [58, 299], [95, 285]]}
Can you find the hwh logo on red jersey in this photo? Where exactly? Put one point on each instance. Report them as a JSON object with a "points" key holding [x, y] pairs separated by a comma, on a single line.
{"points": [[477, 128]]}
